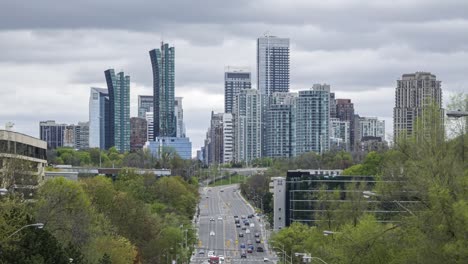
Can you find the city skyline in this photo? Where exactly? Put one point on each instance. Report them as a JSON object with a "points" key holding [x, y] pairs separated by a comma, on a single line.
{"points": [[361, 65]]}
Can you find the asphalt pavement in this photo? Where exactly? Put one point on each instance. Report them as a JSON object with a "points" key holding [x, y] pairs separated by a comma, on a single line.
{"points": [[218, 231]]}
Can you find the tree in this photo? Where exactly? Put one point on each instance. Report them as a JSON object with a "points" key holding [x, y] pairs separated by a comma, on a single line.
{"points": [[105, 259]]}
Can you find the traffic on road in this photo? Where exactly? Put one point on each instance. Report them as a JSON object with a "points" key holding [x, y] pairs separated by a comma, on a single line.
{"points": [[229, 229]]}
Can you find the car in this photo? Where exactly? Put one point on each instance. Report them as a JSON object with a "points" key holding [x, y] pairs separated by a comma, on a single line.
{"points": [[220, 218], [221, 258], [243, 254], [222, 191], [241, 235], [247, 223], [201, 252], [207, 197], [252, 225], [258, 241], [249, 216], [212, 233], [235, 217], [243, 216], [238, 225], [211, 253], [237, 221], [244, 228], [211, 219], [252, 216], [259, 249], [242, 245], [257, 234], [247, 231], [265, 260], [249, 250]]}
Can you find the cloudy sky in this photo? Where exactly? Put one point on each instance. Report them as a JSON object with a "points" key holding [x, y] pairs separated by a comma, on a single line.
{"points": [[52, 51]]}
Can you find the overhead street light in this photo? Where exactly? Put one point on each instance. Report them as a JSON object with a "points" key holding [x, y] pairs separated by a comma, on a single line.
{"points": [[457, 115], [36, 225]]}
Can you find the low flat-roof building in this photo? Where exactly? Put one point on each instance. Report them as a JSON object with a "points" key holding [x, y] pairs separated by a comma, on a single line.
{"points": [[22, 162]]}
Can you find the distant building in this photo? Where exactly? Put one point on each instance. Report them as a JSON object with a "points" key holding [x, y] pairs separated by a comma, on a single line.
{"points": [[138, 134], [339, 134], [280, 131], [119, 101], [235, 79], [99, 118], [272, 65], [179, 116], [414, 93], [69, 136], [219, 142], [162, 62], [345, 112], [22, 162], [248, 125], [371, 127], [82, 135], [145, 104], [181, 146], [370, 143], [52, 133], [313, 120], [150, 126]]}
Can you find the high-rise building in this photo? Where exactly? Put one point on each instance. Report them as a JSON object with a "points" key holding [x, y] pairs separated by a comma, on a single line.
{"points": [[150, 126], [162, 62], [82, 135], [339, 134], [219, 142], [414, 93], [119, 102], [280, 122], [332, 105], [138, 134], [99, 118], [272, 64], [145, 104], [179, 115], [248, 125], [69, 136], [345, 112], [371, 127], [52, 133], [313, 120], [235, 79]]}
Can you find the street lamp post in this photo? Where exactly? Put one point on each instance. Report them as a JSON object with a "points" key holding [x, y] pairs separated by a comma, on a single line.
{"points": [[368, 194], [36, 225], [457, 115]]}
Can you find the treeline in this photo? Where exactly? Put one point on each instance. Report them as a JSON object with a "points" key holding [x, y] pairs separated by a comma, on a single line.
{"points": [[136, 219], [111, 158], [427, 169]]}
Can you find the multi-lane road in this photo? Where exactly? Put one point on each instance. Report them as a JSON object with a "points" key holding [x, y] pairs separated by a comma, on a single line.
{"points": [[217, 230]]}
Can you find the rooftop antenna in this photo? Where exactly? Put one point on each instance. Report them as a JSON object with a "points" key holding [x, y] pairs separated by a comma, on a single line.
{"points": [[266, 33]]}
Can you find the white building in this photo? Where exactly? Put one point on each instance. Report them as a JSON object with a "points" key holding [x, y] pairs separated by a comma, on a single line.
{"points": [[371, 127], [248, 125], [272, 64], [179, 115], [339, 134], [150, 125], [278, 188]]}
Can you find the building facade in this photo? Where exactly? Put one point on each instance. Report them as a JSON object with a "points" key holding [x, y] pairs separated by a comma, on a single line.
{"points": [[313, 121], [179, 116], [82, 135], [138, 135], [118, 86], [371, 127], [415, 92], [345, 112], [280, 131], [339, 134], [235, 79], [162, 62], [181, 146], [22, 162], [145, 104], [248, 125], [149, 126], [272, 64], [99, 118], [52, 133], [219, 142]]}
